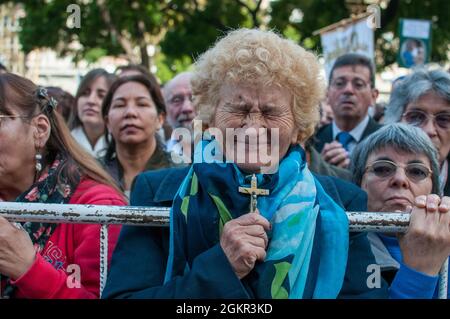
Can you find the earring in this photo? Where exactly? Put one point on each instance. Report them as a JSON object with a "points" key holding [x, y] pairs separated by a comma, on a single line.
{"points": [[38, 162]]}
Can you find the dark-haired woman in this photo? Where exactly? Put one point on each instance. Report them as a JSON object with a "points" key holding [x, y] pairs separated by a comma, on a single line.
{"points": [[65, 100], [41, 162], [134, 112], [87, 125]]}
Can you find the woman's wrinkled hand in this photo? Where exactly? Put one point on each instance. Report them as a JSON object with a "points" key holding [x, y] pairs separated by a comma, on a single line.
{"points": [[17, 252], [426, 244], [244, 241]]}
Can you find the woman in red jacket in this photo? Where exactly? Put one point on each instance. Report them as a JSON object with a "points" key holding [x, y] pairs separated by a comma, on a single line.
{"points": [[41, 162]]}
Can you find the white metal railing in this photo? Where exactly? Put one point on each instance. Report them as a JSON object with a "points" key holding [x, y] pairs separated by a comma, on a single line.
{"points": [[159, 217]]}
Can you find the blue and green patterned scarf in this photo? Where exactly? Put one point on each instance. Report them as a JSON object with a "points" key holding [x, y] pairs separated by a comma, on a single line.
{"points": [[302, 215]]}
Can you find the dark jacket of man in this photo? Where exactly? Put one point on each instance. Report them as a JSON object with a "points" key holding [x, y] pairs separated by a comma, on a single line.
{"points": [[139, 261], [325, 134], [318, 165]]}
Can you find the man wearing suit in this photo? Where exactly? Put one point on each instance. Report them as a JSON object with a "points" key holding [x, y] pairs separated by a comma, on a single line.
{"points": [[351, 91], [139, 261]]}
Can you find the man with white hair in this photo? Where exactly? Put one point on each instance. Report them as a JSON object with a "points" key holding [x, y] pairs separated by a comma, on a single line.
{"points": [[177, 95]]}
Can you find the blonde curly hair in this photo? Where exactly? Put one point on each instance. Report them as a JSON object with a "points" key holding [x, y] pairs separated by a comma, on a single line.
{"points": [[261, 58]]}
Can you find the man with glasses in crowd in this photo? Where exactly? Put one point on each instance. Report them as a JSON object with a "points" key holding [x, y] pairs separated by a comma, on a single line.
{"points": [[177, 95], [351, 91]]}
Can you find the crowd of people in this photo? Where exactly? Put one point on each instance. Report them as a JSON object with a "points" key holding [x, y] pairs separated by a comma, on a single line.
{"points": [[337, 150]]}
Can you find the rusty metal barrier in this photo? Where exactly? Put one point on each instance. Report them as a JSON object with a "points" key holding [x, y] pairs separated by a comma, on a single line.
{"points": [[159, 217]]}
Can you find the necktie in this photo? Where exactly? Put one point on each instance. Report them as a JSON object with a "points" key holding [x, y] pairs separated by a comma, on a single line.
{"points": [[344, 138]]}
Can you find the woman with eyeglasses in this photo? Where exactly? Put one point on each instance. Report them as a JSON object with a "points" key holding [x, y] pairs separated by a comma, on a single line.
{"points": [[422, 99], [398, 168], [40, 162]]}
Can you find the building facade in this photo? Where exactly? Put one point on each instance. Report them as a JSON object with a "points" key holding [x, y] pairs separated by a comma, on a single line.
{"points": [[11, 54]]}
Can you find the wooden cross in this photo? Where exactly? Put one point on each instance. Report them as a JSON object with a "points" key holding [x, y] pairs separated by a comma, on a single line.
{"points": [[253, 191]]}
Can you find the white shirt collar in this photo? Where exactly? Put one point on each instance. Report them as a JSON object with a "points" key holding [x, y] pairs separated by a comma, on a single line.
{"points": [[80, 136], [356, 133]]}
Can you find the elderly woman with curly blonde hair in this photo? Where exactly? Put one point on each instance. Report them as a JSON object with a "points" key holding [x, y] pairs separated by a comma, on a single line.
{"points": [[224, 241]]}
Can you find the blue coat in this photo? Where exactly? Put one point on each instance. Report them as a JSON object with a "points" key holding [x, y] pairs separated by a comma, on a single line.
{"points": [[139, 261]]}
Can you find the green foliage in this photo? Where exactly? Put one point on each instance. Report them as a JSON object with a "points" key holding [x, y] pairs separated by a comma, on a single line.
{"points": [[201, 27], [436, 10], [192, 26], [316, 14], [320, 13], [94, 54], [167, 67], [45, 25], [41, 27]]}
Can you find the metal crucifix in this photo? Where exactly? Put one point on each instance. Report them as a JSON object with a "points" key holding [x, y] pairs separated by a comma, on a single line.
{"points": [[253, 191]]}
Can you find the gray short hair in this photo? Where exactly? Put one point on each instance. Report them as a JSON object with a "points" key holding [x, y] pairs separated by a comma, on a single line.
{"points": [[414, 86], [402, 137]]}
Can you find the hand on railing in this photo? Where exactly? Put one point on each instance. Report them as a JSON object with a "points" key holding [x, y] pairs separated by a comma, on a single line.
{"points": [[426, 244], [17, 252]]}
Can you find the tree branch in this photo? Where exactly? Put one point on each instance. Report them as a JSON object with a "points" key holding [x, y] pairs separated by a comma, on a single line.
{"points": [[124, 42], [388, 15], [245, 5], [258, 5], [215, 23], [253, 12]]}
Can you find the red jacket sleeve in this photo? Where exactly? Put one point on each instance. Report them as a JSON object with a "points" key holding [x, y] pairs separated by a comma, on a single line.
{"points": [[43, 281]]}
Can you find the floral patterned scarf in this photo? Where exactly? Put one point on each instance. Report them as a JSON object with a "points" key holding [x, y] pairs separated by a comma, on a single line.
{"points": [[51, 187]]}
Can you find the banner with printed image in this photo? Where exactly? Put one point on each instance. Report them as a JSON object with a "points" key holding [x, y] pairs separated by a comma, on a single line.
{"points": [[415, 42], [356, 37]]}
